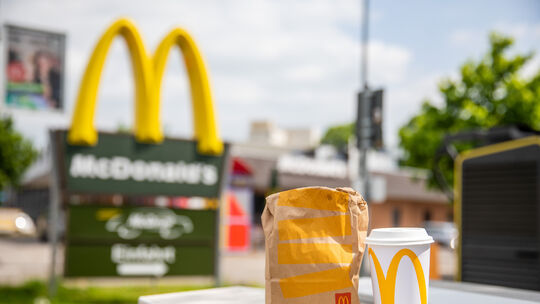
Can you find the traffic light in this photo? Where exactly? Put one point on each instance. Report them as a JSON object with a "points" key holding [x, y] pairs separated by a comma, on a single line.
{"points": [[371, 129]]}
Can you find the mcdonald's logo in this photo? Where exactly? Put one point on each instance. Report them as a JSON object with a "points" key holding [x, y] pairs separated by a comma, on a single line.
{"points": [[148, 75], [343, 298], [387, 285]]}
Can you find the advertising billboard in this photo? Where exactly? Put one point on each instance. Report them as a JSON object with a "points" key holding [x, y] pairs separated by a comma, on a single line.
{"points": [[34, 69]]}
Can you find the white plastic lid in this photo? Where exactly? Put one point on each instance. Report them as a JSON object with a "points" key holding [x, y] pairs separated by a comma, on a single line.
{"points": [[399, 236]]}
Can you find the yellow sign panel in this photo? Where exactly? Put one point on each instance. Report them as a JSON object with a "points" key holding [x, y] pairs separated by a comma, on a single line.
{"points": [[387, 285], [148, 71]]}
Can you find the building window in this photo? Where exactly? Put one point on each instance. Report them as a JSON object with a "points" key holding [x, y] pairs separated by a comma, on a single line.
{"points": [[396, 217], [427, 216]]}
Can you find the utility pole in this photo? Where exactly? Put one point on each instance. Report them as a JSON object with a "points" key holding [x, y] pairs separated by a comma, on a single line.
{"points": [[54, 206], [364, 121], [2, 58]]}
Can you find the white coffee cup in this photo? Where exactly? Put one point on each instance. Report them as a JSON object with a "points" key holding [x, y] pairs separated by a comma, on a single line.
{"points": [[399, 261]]}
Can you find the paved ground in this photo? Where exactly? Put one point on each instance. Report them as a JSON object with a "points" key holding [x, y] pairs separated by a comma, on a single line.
{"points": [[245, 269], [25, 259], [22, 260], [447, 263]]}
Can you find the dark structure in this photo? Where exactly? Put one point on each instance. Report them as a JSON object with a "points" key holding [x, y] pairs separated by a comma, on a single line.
{"points": [[497, 210]]}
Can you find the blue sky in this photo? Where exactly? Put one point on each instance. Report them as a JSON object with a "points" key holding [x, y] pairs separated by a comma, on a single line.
{"points": [[292, 62], [429, 29]]}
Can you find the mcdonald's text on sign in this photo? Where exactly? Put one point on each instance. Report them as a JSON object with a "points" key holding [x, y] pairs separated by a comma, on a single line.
{"points": [[117, 163]]}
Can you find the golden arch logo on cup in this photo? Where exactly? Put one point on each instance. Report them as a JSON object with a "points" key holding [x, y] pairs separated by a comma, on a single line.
{"points": [[148, 75], [389, 249]]}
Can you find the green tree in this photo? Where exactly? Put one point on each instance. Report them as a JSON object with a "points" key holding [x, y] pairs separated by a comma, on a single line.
{"points": [[338, 136], [489, 92], [16, 154]]}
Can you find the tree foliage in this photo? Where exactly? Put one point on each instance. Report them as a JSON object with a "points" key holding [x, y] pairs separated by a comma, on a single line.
{"points": [[489, 92], [16, 154], [338, 136]]}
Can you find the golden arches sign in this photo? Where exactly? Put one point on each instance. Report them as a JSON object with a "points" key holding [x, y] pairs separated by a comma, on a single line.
{"points": [[387, 285], [148, 71]]}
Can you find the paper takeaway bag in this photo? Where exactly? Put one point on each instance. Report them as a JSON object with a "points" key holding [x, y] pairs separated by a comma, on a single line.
{"points": [[314, 245]]}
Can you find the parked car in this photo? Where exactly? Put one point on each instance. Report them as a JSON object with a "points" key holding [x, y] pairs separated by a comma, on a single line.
{"points": [[445, 233], [14, 222]]}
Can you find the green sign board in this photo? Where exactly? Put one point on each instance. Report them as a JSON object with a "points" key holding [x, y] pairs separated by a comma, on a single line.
{"points": [[139, 241], [118, 164]]}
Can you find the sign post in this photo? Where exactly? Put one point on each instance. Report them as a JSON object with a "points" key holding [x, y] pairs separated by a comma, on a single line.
{"points": [[369, 112], [54, 205], [362, 122]]}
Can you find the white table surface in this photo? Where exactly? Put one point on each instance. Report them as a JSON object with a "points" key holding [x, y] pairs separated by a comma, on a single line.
{"points": [[224, 295], [439, 293]]}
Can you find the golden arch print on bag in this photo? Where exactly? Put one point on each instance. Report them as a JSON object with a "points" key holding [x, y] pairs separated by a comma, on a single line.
{"points": [[148, 73]]}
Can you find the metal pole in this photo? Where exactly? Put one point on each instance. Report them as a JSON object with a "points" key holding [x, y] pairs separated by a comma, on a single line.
{"points": [[365, 38], [54, 203], [3, 64], [227, 163], [365, 122]]}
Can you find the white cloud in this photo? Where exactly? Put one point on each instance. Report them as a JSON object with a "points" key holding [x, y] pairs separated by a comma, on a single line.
{"points": [[519, 30], [478, 36], [531, 68], [306, 73], [404, 101], [389, 63]]}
